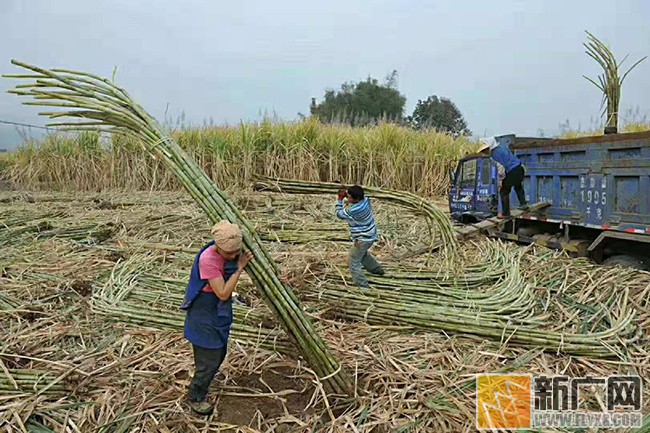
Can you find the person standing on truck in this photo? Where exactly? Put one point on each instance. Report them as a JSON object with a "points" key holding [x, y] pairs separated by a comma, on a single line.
{"points": [[363, 230], [508, 163], [208, 302]]}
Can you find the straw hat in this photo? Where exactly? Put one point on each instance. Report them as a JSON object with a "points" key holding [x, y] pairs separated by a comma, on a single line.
{"points": [[488, 143]]}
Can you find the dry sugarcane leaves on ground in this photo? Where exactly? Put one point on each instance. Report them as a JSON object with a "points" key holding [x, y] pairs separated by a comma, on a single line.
{"points": [[125, 375]]}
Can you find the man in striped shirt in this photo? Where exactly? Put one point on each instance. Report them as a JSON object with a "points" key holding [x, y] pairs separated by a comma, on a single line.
{"points": [[363, 231]]}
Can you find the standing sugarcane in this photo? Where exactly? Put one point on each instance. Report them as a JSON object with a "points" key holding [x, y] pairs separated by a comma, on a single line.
{"points": [[111, 109], [609, 83]]}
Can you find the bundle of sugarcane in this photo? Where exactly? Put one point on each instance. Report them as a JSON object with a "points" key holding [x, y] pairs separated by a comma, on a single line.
{"points": [[485, 262], [142, 315], [90, 233], [21, 381], [518, 306], [472, 276], [435, 217], [164, 293], [509, 296], [134, 295], [302, 236], [7, 303], [467, 273], [381, 310], [14, 235], [494, 285], [110, 108]]}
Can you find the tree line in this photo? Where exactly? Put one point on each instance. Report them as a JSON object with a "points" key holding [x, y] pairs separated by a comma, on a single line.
{"points": [[369, 102]]}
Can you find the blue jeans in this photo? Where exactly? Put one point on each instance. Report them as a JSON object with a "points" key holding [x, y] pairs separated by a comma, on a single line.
{"points": [[359, 259]]}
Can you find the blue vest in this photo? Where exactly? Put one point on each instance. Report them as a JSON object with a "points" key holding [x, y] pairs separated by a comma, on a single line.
{"points": [[208, 318]]}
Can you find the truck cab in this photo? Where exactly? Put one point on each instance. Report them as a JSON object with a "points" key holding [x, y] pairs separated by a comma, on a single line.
{"points": [[474, 194]]}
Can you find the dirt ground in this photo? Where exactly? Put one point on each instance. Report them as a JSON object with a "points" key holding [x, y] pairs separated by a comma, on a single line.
{"points": [[242, 410]]}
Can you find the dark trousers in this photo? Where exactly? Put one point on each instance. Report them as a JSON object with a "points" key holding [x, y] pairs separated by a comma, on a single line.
{"points": [[206, 363], [514, 178]]}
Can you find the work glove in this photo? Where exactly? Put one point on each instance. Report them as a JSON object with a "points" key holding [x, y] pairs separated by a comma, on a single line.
{"points": [[342, 194]]}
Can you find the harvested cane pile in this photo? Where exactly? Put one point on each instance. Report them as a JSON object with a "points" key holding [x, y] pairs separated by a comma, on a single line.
{"points": [[98, 323], [506, 310], [437, 219], [134, 295]]}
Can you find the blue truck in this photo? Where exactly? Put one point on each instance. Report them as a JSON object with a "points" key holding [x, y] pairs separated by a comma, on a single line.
{"points": [[597, 190]]}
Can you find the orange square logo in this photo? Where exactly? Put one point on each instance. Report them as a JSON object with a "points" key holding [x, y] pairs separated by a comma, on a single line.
{"points": [[503, 401]]}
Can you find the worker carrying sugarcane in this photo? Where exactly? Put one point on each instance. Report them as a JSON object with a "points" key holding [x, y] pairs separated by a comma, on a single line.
{"points": [[511, 172], [355, 208], [208, 302]]}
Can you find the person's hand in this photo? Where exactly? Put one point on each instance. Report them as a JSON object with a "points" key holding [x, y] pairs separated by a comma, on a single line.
{"points": [[284, 279], [342, 194], [244, 259]]}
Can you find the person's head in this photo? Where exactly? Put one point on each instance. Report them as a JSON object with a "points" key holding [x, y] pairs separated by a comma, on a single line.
{"points": [[488, 144], [355, 194], [227, 239]]}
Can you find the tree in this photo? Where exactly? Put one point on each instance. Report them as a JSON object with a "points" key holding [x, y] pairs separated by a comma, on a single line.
{"points": [[439, 113], [362, 103]]}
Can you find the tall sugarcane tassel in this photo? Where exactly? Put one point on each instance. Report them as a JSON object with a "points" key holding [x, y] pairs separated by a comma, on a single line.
{"points": [[609, 82], [111, 109]]}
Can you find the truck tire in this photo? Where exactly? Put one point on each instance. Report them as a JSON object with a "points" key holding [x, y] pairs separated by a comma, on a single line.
{"points": [[528, 232], [627, 262]]}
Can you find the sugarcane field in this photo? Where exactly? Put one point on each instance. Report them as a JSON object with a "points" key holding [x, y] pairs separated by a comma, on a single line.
{"points": [[354, 269]]}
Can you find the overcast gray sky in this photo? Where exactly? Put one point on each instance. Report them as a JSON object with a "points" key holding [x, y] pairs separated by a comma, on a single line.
{"points": [[510, 65]]}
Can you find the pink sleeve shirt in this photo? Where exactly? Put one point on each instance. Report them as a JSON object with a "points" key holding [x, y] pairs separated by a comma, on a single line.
{"points": [[211, 265]]}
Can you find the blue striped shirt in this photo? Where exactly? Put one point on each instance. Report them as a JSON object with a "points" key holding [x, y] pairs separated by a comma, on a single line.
{"points": [[360, 218]]}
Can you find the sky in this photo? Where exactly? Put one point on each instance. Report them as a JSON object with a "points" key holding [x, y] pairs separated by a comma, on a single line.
{"points": [[511, 66]]}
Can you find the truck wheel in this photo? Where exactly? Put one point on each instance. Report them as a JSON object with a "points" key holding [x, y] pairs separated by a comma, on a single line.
{"points": [[468, 219], [627, 262], [528, 232]]}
